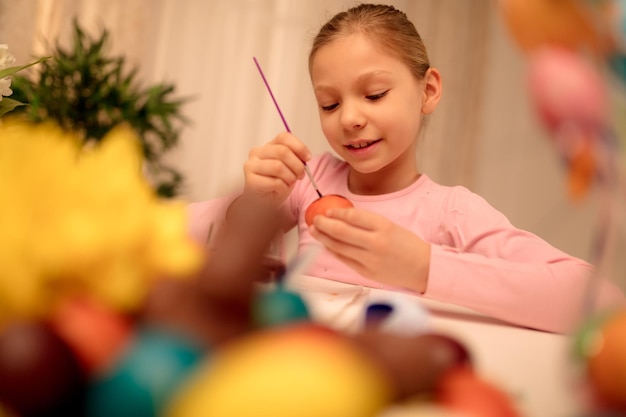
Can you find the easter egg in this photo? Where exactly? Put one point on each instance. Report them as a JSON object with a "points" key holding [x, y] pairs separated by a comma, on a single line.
{"points": [[39, 375], [606, 365], [464, 391], [278, 306], [414, 363], [300, 369], [566, 88], [537, 23], [95, 333], [324, 203], [144, 377]]}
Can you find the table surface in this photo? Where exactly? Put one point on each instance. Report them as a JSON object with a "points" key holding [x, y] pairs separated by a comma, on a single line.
{"points": [[534, 367]]}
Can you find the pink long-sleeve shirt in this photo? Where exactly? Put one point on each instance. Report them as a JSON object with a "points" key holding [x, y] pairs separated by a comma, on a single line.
{"points": [[479, 260]]}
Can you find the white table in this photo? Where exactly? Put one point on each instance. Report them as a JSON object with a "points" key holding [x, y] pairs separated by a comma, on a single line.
{"points": [[534, 367]]}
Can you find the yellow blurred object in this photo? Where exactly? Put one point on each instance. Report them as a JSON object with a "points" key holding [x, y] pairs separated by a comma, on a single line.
{"points": [[297, 370], [566, 23], [82, 220]]}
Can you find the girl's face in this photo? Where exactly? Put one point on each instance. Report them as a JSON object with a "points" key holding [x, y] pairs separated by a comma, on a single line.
{"points": [[370, 107]]}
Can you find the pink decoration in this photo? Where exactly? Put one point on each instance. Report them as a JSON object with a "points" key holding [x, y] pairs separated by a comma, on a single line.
{"points": [[566, 89]]}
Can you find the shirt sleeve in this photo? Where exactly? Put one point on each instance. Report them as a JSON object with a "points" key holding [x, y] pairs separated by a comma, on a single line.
{"points": [[485, 263], [204, 217]]}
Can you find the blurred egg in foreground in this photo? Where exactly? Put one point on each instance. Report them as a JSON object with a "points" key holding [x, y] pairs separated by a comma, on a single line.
{"points": [[144, 377], [606, 364], [95, 333], [463, 390], [302, 370], [278, 306], [565, 88], [39, 376], [537, 23]]}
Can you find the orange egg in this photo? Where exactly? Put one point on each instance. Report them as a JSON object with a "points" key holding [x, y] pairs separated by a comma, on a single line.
{"points": [[606, 364], [323, 204], [95, 333], [463, 391], [536, 23]]}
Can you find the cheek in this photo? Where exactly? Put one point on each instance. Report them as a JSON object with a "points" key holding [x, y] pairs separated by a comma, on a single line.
{"points": [[407, 118], [330, 127]]}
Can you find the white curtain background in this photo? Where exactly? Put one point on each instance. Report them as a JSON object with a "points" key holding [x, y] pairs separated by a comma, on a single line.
{"points": [[484, 135]]}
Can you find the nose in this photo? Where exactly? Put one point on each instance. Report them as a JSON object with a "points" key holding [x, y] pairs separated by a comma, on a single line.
{"points": [[352, 116]]}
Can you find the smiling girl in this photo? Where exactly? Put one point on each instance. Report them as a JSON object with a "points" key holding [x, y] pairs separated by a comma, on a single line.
{"points": [[374, 85]]}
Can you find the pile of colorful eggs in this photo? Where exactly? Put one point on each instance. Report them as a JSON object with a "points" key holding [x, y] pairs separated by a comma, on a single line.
{"points": [[269, 360], [87, 361], [102, 314]]}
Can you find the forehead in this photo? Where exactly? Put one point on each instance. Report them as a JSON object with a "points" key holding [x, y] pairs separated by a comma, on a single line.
{"points": [[352, 56]]}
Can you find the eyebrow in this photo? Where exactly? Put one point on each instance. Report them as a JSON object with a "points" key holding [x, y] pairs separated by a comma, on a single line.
{"points": [[361, 78]]}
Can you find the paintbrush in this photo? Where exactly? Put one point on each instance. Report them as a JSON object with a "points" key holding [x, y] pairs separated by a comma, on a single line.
{"points": [[306, 167]]}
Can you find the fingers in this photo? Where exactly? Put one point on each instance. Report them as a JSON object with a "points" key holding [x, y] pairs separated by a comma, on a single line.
{"points": [[339, 238], [352, 246], [356, 217], [284, 148], [358, 238], [353, 226], [277, 165], [296, 146]]}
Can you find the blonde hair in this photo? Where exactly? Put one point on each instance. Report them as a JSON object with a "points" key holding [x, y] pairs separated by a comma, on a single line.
{"points": [[384, 24]]}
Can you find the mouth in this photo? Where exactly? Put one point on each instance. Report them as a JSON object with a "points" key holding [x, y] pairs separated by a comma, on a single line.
{"points": [[362, 144]]}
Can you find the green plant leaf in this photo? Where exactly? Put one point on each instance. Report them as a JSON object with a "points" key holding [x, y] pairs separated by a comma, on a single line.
{"points": [[7, 105], [84, 89], [12, 70]]}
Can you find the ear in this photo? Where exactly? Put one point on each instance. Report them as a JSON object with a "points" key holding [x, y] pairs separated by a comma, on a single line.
{"points": [[432, 90]]}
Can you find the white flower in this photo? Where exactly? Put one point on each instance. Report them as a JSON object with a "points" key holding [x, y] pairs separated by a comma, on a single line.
{"points": [[5, 90], [6, 59]]}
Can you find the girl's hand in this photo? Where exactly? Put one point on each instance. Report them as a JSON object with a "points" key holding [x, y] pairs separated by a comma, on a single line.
{"points": [[375, 247], [272, 170]]}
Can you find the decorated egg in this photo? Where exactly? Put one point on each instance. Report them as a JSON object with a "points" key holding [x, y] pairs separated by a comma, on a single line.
{"points": [[94, 332], [464, 391], [538, 23], [606, 361], [324, 203], [39, 375], [300, 369], [414, 363], [144, 377], [566, 88], [278, 306]]}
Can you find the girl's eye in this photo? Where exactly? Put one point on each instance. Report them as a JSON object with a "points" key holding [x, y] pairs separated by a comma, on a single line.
{"points": [[375, 97], [330, 107]]}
